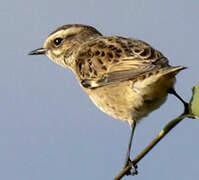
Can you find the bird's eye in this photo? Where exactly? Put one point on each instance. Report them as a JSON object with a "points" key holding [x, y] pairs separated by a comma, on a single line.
{"points": [[57, 41]]}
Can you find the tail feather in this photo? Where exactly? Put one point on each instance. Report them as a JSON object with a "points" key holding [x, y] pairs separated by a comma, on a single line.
{"points": [[173, 70]]}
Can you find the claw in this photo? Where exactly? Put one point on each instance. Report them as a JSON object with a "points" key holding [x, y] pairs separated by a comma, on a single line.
{"points": [[133, 171]]}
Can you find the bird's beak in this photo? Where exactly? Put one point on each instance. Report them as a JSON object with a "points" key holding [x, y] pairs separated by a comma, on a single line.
{"points": [[38, 51]]}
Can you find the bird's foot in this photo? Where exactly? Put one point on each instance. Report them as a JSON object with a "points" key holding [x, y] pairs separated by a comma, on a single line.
{"points": [[186, 108], [133, 171]]}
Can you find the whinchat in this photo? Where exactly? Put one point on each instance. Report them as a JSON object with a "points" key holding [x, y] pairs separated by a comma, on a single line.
{"points": [[125, 77]]}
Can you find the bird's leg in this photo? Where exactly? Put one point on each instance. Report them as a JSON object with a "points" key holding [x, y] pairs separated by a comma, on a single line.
{"points": [[127, 159], [172, 91]]}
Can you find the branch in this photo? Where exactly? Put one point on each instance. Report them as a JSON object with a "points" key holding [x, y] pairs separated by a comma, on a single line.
{"points": [[191, 110]]}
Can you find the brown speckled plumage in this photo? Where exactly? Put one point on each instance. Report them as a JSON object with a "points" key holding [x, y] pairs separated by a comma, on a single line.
{"points": [[109, 56], [125, 77], [120, 75]]}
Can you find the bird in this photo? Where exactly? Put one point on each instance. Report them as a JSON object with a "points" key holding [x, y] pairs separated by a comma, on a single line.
{"points": [[125, 78]]}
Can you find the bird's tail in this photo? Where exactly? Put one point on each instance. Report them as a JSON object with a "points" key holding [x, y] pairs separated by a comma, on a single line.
{"points": [[173, 70]]}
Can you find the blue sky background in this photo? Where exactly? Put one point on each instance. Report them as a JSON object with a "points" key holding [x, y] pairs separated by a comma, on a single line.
{"points": [[49, 129]]}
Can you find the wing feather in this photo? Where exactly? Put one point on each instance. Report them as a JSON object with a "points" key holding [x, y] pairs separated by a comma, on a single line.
{"points": [[114, 59]]}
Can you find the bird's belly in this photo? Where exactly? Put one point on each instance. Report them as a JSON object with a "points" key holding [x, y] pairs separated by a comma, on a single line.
{"points": [[116, 100], [127, 101]]}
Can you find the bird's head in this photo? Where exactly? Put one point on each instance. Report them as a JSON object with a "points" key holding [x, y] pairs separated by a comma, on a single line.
{"points": [[62, 43]]}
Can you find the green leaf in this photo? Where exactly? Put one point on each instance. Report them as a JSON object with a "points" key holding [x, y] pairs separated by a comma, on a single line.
{"points": [[194, 102]]}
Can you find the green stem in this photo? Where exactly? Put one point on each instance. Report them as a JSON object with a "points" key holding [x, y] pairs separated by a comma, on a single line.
{"points": [[161, 134]]}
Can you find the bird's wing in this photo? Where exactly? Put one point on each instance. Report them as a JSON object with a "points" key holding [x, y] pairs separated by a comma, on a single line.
{"points": [[113, 59]]}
